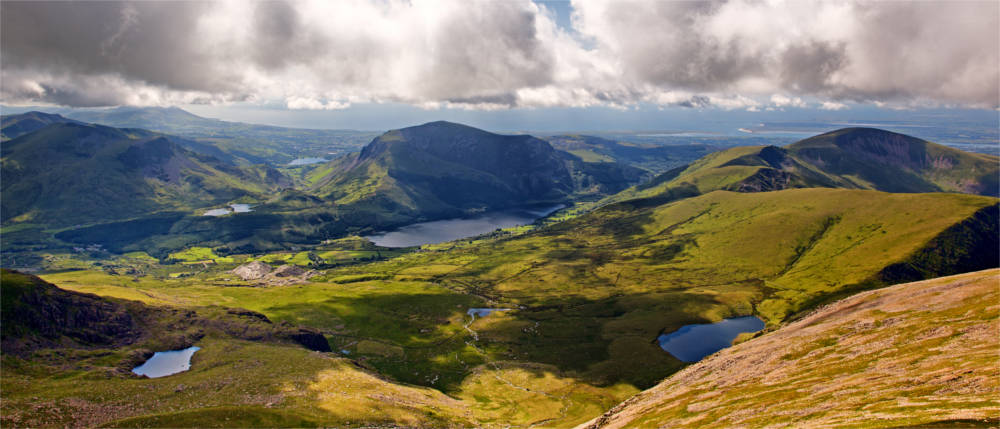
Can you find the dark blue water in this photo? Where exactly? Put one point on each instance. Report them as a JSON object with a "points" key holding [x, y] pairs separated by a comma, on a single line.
{"points": [[166, 363], [691, 343], [439, 231]]}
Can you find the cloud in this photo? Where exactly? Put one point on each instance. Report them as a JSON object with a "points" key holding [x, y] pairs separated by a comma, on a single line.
{"points": [[930, 51], [832, 105], [481, 54], [779, 100]]}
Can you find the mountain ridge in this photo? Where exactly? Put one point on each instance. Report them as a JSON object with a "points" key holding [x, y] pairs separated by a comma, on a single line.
{"points": [[117, 174], [852, 158]]}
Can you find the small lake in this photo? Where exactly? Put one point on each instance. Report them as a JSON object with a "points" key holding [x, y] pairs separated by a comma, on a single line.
{"points": [[306, 161], [439, 231], [235, 208], [166, 363], [483, 312], [691, 343]]}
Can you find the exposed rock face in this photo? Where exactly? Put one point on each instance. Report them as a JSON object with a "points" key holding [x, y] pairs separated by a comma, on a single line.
{"points": [[310, 339], [289, 271], [265, 275], [252, 271]]}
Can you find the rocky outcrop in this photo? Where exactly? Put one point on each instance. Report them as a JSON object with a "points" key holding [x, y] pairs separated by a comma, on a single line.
{"points": [[264, 275], [252, 271], [288, 271]]}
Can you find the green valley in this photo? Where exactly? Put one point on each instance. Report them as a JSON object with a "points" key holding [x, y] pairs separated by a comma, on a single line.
{"points": [[584, 294]]}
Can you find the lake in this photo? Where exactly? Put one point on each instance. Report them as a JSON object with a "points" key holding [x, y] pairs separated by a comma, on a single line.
{"points": [[166, 363], [439, 231], [306, 161], [483, 312], [691, 343], [236, 208]]}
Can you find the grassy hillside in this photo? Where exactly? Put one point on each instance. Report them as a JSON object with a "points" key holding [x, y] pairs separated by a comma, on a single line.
{"points": [[445, 169], [913, 355], [69, 173], [13, 126], [892, 162], [852, 158], [590, 295], [66, 362]]}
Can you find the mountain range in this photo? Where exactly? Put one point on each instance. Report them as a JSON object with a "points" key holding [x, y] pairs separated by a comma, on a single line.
{"points": [[68, 173], [554, 324]]}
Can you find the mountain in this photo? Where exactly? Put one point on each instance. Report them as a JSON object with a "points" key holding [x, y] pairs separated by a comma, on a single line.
{"points": [[650, 157], [248, 143], [854, 158], [12, 126], [69, 173], [877, 159], [447, 169], [912, 355], [151, 118]]}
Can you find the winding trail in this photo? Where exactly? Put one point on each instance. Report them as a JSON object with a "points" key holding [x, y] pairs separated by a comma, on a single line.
{"points": [[497, 368]]}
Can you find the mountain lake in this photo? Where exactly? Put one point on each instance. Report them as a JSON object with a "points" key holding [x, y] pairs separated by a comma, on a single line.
{"points": [[439, 231], [306, 161], [166, 363], [691, 343], [483, 312], [236, 208]]}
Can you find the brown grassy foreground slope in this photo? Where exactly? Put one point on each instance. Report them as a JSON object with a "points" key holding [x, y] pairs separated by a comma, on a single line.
{"points": [[909, 354]]}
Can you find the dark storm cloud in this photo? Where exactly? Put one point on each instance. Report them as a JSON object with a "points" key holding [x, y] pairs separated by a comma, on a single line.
{"points": [[153, 42], [320, 54]]}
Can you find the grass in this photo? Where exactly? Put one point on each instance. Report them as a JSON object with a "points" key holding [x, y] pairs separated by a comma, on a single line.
{"points": [[869, 367], [590, 294], [231, 383]]}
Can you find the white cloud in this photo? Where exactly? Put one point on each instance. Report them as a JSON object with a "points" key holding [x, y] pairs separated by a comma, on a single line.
{"points": [[481, 54], [779, 100], [299, 103], [832, 105]]}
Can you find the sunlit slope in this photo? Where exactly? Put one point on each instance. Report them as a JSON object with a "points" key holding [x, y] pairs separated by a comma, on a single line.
{"points": [[903, 356], [892, 162], [70, 173], [785, 247], [593, 293], [853, 158], [67, 358]]}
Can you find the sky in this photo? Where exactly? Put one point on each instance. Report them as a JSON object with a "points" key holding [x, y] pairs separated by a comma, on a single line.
{"points": [[610, 64]]}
